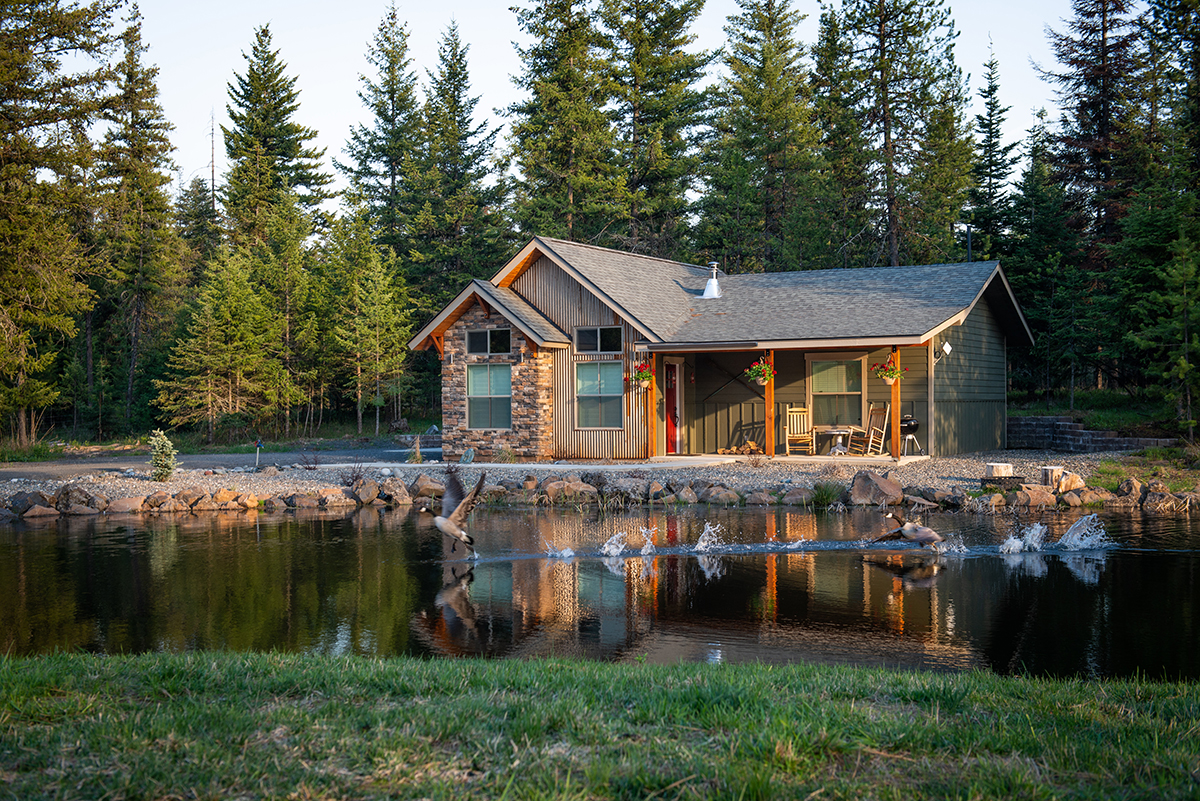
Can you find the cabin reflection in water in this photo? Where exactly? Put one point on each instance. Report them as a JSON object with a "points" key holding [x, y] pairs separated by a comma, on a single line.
{"points": [[771, 605]]}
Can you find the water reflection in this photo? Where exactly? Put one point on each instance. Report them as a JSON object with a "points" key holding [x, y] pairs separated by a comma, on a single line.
{"points": [[715, 585]]}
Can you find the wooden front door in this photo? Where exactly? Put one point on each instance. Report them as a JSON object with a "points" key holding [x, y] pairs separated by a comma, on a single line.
{"points": [[671, 400]]}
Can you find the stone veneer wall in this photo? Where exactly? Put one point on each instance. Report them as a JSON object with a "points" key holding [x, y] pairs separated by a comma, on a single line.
{"points": [[532, 432]]}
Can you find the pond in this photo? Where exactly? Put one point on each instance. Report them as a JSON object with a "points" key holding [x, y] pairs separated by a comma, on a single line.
{"points": [[721, 585]]}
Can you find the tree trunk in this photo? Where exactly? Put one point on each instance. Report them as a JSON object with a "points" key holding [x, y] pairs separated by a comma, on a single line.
{"points": [[135, 336]]}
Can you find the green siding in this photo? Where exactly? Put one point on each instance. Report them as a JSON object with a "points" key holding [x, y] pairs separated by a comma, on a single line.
{"points": [[969, 386]]}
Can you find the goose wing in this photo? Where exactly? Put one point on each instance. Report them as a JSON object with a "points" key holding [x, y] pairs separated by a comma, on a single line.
{"points": [[894, 534], [453, 495], [459, 516]]}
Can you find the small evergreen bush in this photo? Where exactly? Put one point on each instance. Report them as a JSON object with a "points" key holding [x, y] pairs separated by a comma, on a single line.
{"points": [[162, 456]]}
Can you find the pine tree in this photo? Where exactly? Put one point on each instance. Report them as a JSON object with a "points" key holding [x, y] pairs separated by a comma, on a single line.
{"points": [[1098, 58], [268, 151], [371, 328], [52, 77], [457, 231], [280, 269], [834, 217], [199, 227], [990, 206], [223, 373], [765, 118], [905, 52], [570, 184], [139, 242], [382, 155], [659, 109]]}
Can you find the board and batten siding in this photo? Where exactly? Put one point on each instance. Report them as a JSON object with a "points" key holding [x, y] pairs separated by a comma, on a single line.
{"points": [[970, 385], [570, 305]]}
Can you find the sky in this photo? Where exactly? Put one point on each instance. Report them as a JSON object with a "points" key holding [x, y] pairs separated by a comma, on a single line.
{"points": [[198, 47]]}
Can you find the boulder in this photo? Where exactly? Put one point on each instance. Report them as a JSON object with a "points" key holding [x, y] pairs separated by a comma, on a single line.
{"points": [[301, 501], [687, 495], [655, 490], [1070, 482], [1130, 486], [530, 482], [123, 506], [719, 494], [394, 491], [1091, 496], [157, 499], [871, 489], [22, 501], [205, 504], [69, 495], [759, 498], [224, 496], [335, 497], [273, 504], [1071, 499], [554, 489], [426, 487], [190, 495], [365, 490], [247, 500], [38, 510], [629, 489], [579, 489], [269, 470], [800, 496], [1030, 497], [80, 510], [170, 505]]}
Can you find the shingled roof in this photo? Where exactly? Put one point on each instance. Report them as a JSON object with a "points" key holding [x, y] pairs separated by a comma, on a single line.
{"points": [[808, 308]]}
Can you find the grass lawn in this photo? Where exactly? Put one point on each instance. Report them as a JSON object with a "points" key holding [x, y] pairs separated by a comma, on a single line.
{"points": [[234, 726]]}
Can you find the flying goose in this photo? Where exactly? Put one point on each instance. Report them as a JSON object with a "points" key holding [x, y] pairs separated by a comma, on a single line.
{"points": [[913, 532], [453, 520]]}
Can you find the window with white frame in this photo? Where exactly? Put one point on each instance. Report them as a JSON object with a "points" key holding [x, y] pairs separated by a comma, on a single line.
{"points": [[598, 339], [489, 396], [836, 388], [489, 341], [599, 388]]}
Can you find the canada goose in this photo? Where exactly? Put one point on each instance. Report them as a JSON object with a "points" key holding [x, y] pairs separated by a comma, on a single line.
{"points": [[920, 574], [913, 532], [453, 520]]}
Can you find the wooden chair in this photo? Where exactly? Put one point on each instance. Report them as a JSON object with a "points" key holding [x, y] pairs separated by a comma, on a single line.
{"points": [[799, 431], [869, 441]]}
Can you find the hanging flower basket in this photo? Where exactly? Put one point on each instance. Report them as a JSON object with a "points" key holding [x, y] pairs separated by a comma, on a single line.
{"points": [[888, 371], [641, 374], [761, 371]]}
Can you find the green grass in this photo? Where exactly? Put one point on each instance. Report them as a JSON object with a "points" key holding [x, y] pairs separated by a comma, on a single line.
{"points": [[1147, 414], [38, 452], [283, 726]]}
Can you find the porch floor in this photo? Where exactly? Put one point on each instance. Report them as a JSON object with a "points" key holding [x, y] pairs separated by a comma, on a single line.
{"points": [[884, 459]]}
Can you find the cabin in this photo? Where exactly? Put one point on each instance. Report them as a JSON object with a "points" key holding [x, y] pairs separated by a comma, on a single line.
{"points": [[543, 360]]}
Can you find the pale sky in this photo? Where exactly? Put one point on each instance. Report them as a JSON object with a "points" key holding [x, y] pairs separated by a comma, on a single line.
{"points": [[198, 47]]}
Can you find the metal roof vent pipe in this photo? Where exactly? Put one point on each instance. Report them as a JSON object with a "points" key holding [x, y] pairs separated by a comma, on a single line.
{"points": [[712, 289]]}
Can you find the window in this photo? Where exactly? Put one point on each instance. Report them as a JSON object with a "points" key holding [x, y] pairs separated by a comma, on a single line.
{"points": [[606, 339], [599, 387], [489, 396], [494, 340], [836, 388]]}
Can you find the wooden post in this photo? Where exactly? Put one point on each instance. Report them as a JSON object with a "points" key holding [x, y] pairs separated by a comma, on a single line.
{"points": [[769, 444], [896, 407], [651, 416]]}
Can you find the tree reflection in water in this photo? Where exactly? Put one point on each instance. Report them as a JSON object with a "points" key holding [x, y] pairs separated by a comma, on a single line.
{"points": [[780, 585]]}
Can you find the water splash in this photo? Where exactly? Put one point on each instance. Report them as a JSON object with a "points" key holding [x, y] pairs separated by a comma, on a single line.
{"points": [[1031, 539], [648, 535], [1086, 567], [710, 539], [558, 553], [615, 565], [953, 543], [1029, 564], [1086, 533], [615, 544]]}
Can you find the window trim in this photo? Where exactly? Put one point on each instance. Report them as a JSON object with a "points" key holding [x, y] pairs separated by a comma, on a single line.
{"points": [[620, 395], [467, 394], [858, 356], [598, 328], [489, 351]]}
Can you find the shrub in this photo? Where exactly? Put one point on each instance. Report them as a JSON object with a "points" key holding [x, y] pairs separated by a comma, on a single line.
{"points": [[162, 456]]}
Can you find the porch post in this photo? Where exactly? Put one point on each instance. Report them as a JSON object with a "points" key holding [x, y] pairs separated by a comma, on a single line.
{"points": [[769, 445], [896, 407], [651, 416]]}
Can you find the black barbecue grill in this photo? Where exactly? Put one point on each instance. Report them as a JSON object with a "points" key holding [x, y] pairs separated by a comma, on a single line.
{"points": [[908, 429]]}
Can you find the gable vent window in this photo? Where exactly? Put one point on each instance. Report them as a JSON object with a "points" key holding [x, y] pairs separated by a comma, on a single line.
{"points": [[602, 339], [492, 341]]}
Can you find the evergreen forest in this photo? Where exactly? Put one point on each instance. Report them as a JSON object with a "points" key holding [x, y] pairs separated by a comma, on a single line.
{"points": [[277, 298]]}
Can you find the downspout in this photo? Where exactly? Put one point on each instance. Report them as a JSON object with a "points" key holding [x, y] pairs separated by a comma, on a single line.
{"points": [[931, 437]]}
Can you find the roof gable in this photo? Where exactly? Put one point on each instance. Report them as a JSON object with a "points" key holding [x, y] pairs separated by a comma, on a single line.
{"points": [[536, 327]]}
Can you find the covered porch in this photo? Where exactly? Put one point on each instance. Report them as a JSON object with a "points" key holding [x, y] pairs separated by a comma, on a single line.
{"points": [[702, 402]]}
